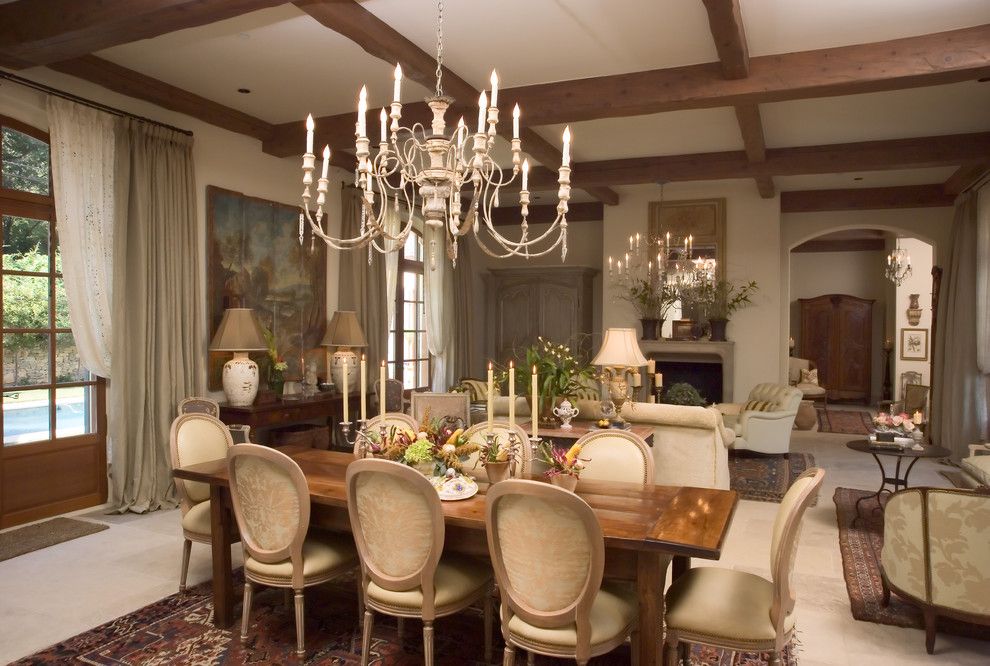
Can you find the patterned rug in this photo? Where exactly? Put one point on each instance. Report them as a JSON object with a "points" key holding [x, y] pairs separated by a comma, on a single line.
{"points": [[765, 478], [845, 421], [860, 547], [179, 630], [48, 533]]}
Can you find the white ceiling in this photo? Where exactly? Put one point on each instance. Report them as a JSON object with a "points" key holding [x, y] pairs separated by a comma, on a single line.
{"points": [[294, 66]]}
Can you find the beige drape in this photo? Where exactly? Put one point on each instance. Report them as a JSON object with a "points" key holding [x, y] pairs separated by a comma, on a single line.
{"points": [[960, 413], [362, 287], [464, 335], [157, 346]]}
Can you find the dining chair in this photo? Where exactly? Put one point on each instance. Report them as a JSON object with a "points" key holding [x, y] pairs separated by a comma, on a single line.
{"points": [[398, 526], [271, 505], [390, 419], [548, 554], [738, 610], [441, 405], [616, 455], [395, 401], [194, 438], [521, 466], [240, 434]]}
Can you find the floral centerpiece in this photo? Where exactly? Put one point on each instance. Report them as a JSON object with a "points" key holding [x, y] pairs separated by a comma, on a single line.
{"points": [[276, 364], [561, 374], [497, 455], [439, 448], [899, 424], [563, 468]]}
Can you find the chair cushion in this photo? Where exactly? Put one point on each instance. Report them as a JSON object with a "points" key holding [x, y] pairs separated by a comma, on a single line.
{"points": [[322, 553], [760, 406], [457, 579], [197, 519], [723, 603], [811, 389], [977, 467], [615, 608]]}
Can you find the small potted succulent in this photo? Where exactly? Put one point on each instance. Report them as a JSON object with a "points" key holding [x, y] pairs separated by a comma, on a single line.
{"points": [[497, 457], [563, 468]]}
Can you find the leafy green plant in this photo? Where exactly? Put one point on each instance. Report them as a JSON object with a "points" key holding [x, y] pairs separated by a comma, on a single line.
{"points": [[720, 299], [682, 393], [560, 371], [652, 301]]}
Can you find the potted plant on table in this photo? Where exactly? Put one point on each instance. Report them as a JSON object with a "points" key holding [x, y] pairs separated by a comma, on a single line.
{"points": [[563, 468], [652, 300], [720, 299], [497, 457], [561, 372]]}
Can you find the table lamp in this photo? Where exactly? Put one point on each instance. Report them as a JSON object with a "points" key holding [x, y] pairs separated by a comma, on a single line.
{"points": [[239, 332], [344, 332], [619, 355]]}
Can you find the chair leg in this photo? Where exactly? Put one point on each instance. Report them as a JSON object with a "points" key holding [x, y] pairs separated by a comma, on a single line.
{"points": [[360, 599], [400, 629], [670, 654], [488, 626], [929, 630], [634, 648], [300, 625], [530, 659], [369, 623], [775, 658], [186, 548], [509, 655], [684, 652], [246, 610], [427, 643]]}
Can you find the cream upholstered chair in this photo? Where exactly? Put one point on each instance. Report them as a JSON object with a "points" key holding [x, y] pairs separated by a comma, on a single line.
{"points": [[390, 419], [936, 546], [764, 422], [739, 610], [810, 391], [196, 405], [522, 466], [549, 555], [690, 444], [615, 455], [271, 505], [398, 526], [976, 468], [441, 405], [195, 438]]}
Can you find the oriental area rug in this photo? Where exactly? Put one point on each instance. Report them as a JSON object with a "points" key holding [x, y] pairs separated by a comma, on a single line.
{"points": [[179, 630], [765, 478], [860, 546], [845, 421]]}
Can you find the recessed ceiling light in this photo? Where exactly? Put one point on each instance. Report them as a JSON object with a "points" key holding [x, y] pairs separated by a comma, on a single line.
{"points": [[244, 91]]}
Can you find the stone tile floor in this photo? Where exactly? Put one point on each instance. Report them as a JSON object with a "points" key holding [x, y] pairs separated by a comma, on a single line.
{"points": [[58, 592]]}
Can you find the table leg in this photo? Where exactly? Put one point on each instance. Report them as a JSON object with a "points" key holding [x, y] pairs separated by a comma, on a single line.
{"points": [[876, 495], [907, 473], [651, 570], [680, 567], [223, 584]]}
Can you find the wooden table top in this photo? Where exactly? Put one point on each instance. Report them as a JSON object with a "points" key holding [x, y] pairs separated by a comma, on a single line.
{"points": [[583, 427], [692, 522]]}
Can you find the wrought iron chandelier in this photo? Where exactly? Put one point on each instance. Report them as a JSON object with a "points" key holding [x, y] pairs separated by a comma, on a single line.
{"points": [[427, 169], [898, 265]]}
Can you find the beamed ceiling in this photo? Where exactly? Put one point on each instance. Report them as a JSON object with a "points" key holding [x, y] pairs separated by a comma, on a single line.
{"points": [[833, 105]]}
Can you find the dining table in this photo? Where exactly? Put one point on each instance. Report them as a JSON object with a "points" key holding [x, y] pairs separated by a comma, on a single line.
{"points": [[645, 528]]}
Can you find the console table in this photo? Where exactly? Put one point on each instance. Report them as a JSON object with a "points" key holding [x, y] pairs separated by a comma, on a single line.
{"points": [[328, 408], [563, 438]]}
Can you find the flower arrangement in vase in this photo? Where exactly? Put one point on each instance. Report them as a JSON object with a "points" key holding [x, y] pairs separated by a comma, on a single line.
{"points": [[497, 457], [899, 424], [439, 448], [276, 366], [563, 468], [561, 373]]}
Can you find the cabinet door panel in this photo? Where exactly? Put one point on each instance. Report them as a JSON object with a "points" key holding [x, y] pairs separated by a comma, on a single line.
{"points": [[515, 306], [559, 312]]}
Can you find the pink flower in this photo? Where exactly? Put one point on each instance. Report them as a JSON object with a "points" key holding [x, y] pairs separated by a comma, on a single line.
{"points": [[896, 420]]}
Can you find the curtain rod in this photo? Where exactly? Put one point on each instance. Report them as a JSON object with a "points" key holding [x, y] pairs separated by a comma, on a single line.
{"points": [[27, 83]]}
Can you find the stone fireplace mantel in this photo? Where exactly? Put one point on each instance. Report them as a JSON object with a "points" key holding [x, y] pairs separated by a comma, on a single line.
{"points": [[698, 351]]}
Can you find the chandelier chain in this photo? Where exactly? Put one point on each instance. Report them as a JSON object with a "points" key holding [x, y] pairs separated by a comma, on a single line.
{"points": [[439, 47]]}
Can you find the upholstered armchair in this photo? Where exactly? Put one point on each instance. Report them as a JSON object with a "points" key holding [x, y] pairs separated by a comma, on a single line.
{"points": [[936, 545], [764, 422], [976, 468], [810, 391]]}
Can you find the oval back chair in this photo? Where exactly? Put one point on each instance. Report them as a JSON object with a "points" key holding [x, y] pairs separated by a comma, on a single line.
{"points": [[523, 464], [197, 405], [616, 455], [389, 419]]}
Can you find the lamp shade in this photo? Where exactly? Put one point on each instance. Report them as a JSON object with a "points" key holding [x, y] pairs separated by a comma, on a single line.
{"points": [[620, 348], [344, 331], [239, 331]]}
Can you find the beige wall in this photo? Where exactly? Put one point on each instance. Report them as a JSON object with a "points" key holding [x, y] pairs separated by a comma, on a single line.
{"points": [[919, 282]]}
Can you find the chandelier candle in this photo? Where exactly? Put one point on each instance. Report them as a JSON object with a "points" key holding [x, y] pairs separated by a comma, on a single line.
{"points": [[491, 396], [535, 405], [512, 394], [346, 392], [381, 390], [364, 388]]}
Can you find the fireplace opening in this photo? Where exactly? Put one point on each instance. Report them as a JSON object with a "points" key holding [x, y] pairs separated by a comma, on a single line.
{"points": [[706, 376]]}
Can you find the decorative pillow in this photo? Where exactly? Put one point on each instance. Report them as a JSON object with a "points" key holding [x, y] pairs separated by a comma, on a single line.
{"points": [[760, 406], [809, 377]]}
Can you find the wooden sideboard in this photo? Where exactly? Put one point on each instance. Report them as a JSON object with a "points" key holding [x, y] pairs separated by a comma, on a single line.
{"points": [[327, 408], [837, 335]]}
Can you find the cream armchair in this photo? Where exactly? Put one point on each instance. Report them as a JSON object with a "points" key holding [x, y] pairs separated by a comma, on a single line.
{"points": [[935, 552], [976, 468], [764, 422]]}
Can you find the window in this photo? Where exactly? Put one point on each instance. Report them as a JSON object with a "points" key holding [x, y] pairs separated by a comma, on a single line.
{"points": [[408, 356]]}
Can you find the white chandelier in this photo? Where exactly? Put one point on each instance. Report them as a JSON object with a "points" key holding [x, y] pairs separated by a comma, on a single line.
{"points": [[898, 265], [428, 168]]}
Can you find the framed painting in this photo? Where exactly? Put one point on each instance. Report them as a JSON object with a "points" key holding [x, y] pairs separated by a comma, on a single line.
{"points": [[255, 261], [704, 219], [914, 344]]}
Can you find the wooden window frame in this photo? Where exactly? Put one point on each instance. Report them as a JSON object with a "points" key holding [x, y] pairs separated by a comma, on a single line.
{"points": [[397, 363]]}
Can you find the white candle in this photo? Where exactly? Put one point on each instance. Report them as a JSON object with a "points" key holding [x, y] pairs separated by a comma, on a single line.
{"points": [[525, 180], [630, 243], [535, 402], [637, 241], [326, 161], [637, 380], [658, 379], [491, 395], [384, 118], [482, 107], [362, 110], [651, 366], [381, 393], [494, 81], [364, 388], [398, 83], [566, 161], [310, 126], [346, 391], [515, 122], [512, 393], [916, 418]]}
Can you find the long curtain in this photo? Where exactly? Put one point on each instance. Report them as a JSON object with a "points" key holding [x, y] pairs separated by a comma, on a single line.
{"points": [[983, 279], [464, 306], [960, 417], [438, 288], [156, 344], [362, 287], [82, 150]]}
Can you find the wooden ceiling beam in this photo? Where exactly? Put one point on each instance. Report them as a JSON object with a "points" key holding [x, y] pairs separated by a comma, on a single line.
{"points": [[920, 152], [545, 213], [725, 22], [965, 177], [137, 85], [41, 33], [866, 198]]}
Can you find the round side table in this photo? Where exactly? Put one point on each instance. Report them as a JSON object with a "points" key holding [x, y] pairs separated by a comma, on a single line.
{"points": [[896, 480]]}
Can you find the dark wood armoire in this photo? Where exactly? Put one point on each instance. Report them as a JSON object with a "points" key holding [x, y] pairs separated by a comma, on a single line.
{"points": [[837, 334]]}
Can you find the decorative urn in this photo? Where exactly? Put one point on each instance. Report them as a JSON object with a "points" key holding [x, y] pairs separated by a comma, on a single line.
{"points": [[565, 412]]}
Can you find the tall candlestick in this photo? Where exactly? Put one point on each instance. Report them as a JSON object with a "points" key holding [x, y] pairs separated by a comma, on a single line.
{"points": [[482, 107], [525, 180], [398, 83], [566, 159], [362, 110], [515, 122], [651, 366], [310, 126], [491, 396], [381, 390], [494, 81], [346, 391], [512, 394], [384, 119], [535, 403], [364, 388], [326, 161]]}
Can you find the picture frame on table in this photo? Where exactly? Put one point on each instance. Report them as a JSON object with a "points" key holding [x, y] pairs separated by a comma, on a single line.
{"points": [[914, 344]]}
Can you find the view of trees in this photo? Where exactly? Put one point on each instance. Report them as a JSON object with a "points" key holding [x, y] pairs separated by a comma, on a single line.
{"points": [[25, 162]]}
